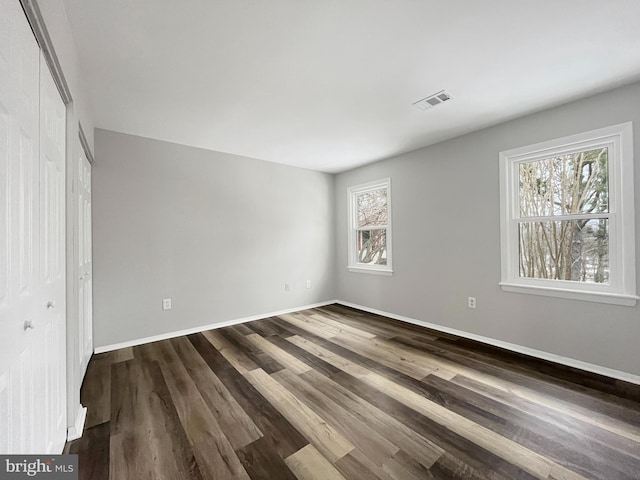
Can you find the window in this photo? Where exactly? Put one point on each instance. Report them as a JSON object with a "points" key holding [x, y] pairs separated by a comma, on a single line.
{"points": [[370, 227], [567, 217]]}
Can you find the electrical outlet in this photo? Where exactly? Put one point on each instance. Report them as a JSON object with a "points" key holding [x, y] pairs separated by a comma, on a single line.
{"points": [[286, 287], [308, 283], [471, 302], [166, 304]]}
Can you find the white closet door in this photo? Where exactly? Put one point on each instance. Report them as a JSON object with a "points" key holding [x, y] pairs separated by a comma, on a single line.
{"points": [[52, 261], [31, 350], [19, 233], [84, 255]]}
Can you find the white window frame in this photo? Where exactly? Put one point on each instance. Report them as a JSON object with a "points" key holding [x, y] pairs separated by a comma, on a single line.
{"points": [[621, 289], [352, 193]]}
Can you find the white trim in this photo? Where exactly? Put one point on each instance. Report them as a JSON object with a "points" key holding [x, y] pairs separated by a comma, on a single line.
{"points": [[75, 431], [203, 328], [621, 289], [374, 271], [36, 21], [557, 292], [85, 144], [354, 265], [552, 357]]}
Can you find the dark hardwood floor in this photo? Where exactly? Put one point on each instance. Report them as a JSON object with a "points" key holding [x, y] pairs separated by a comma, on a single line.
{"points": [[336, 393]]}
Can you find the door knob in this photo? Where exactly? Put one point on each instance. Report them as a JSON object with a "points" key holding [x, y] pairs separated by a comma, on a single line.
{"points": [[28, 325], [51, 304]]}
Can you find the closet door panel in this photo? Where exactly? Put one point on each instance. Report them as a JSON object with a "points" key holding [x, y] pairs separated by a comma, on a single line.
{"points": [[52, 247], [19, 229], [85, 301], [32, 329]]}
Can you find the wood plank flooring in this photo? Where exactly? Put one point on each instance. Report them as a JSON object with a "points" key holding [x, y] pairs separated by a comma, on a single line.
{"points": [[336, 393]]}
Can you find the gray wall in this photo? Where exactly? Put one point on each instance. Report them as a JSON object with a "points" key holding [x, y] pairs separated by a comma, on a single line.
{"points": [[219, 234], [446, 238]]}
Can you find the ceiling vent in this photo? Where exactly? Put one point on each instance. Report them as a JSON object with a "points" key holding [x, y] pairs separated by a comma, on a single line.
{"points": [[433, 100]]}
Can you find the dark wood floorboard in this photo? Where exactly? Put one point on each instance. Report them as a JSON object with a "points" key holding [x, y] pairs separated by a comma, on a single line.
{"points": [[93, 452], [280, 433], [336, 393], [262, 461]]}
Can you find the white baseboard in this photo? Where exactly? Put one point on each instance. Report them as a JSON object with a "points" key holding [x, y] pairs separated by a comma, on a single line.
{"points": [[570, 362], [75, 431], [202, 328]]}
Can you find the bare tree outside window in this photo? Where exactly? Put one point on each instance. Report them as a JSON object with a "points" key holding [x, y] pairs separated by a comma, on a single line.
{"points": [[563, 224], [567, 217], [371, 229]]}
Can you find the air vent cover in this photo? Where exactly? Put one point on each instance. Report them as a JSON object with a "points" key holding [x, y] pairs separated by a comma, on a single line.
{"points": [[433, 100]]}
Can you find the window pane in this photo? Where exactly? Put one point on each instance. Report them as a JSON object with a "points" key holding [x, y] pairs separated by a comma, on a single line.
{"points": [[567, 184], [372, 208], [372, 246], [576, 250]]}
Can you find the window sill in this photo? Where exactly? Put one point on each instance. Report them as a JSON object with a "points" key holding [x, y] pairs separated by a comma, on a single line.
{"points": [[600, 297], [374, 271]]}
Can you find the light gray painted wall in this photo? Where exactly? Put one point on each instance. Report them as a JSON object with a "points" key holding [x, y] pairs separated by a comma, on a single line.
{"points": [[446, 241], [219, 234]]}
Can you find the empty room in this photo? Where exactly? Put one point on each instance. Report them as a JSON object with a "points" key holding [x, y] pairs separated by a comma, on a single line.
{"points": [[319, 240]]}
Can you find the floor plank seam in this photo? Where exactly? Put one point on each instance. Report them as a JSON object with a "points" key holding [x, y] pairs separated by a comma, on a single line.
{"points": [[335, 393]]}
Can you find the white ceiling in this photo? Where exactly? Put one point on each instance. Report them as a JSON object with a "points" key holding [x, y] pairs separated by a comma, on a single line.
{"points": [[328, 84]]}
